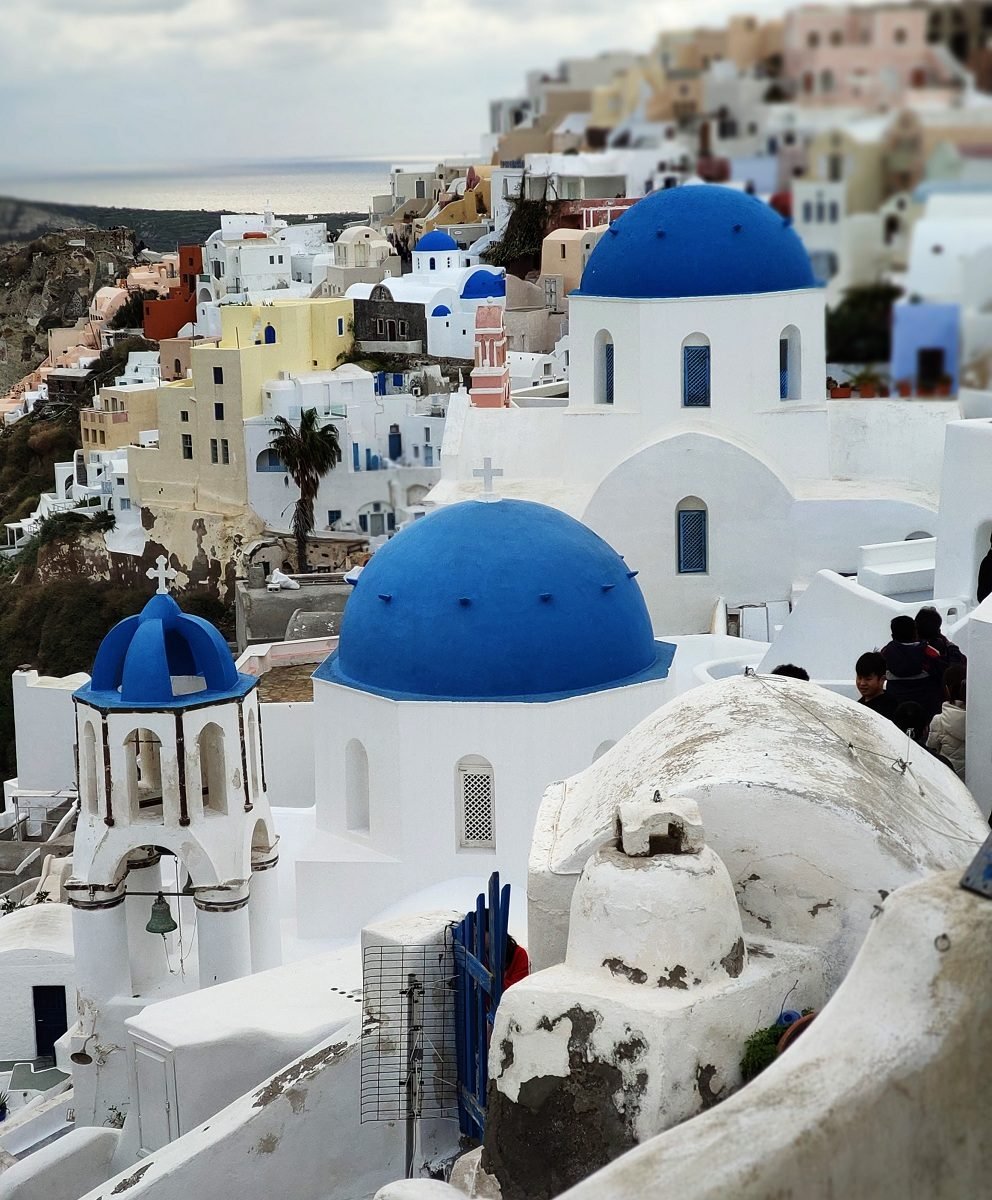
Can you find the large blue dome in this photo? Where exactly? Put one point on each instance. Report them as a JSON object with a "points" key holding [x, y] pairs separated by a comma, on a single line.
{"points": [[507, 600], [163, 658], [437, 239], [698, 240]]}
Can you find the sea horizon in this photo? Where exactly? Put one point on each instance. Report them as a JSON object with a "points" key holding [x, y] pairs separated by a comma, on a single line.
{"points": [[293, 185]]}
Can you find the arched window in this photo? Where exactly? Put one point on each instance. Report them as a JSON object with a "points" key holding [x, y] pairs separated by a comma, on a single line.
{"points": [[431, 264], [691, 519], [143, 761], [790, 376], [213, 784], [253, 758], [178, 369], [696, 371], [270, 336], [603, 368], [602, 748], [356, 787], [87, 770], [475, 801]]}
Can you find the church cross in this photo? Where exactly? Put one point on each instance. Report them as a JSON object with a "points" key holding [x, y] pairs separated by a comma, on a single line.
{"points": [[487, 472], [163, 573]]}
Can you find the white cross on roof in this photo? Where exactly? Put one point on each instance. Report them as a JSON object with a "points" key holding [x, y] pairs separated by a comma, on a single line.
{"points": [[163, 573], [487, 472]]}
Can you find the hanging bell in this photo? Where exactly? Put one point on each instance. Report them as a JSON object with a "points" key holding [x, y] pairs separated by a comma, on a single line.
{"points": [[161, 919]]}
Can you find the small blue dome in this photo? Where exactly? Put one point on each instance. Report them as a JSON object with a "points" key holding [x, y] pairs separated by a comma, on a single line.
{"points": [[480, 285], [442, 310], [436, 240], [507, 600], [700, 240], [143, 658]]}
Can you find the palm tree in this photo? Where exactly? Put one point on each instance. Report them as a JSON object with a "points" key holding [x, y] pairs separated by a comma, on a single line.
{"points": [[307, 453]]}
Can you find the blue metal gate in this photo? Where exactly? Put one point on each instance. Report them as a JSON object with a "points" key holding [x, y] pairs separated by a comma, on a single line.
{"points": [[480, 950]]}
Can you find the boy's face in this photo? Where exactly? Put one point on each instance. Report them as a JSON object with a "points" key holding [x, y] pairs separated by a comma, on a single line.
{"points": [[870, 685]]}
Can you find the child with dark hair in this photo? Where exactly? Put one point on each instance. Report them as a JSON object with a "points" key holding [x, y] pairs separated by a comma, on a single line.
{"points": [[791, 671], [912, 668], [947, 729], [869, 679]]}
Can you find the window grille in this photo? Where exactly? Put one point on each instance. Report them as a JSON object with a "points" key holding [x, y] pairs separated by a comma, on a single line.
{"points": [[608, 370], [692, 542], [696, 376], [783, 369], [475, 785]]}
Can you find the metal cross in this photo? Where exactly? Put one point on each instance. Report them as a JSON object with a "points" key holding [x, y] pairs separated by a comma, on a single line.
{"points": [[487, 472], [163, 573]]}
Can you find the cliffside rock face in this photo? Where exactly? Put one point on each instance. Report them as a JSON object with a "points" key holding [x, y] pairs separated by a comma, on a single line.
{"points": [[49, 283]]}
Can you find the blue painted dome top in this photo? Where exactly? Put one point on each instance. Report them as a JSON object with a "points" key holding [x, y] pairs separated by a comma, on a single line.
{"points": [[482, 284], [437, 239], [699, 240], [508, 600], [163, 658]]}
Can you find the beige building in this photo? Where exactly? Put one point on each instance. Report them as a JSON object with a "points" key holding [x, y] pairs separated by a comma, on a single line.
{"points": [[564, 254], [124, 414], [199, 462]]}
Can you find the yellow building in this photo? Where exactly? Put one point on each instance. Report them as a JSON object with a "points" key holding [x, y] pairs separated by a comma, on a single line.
{"points": [[467, 209], [199, 463], [125, 413]]}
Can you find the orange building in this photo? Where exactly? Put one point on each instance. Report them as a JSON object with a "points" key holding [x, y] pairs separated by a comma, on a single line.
{"points": [[165, 317]]}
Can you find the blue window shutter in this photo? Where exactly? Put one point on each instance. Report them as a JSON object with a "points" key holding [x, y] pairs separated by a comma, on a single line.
{"points": [[356, 461], [608, 371], [783, 369], [696, 376], [692, 542]]}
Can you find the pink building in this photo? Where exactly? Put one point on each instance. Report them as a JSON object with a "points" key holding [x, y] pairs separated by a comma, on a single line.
{"points": [[863, 57], [491, 373]]}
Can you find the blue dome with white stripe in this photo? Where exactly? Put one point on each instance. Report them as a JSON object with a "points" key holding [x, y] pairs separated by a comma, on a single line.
{"points": [[436, 240], [163, 658], [697, 240], [507, 600]]}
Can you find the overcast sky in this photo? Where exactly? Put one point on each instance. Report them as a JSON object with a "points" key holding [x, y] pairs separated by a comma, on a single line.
{"points": [[94, 84]]}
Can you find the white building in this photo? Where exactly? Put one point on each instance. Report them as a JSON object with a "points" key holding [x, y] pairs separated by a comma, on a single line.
{"points": [[360, 255], [390, 449], [696, 437]]}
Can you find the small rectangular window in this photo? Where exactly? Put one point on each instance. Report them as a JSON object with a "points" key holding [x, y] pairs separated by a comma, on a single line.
{"points": [[184, 415], [696, 376], [187, 445], [333, 516], [225, 451], [692, 542], [403, 329], [397, 379], [214, 455], [477, 825], [125, 503], [427, 433], [609, 369], [218, 412], [783, 369], [218, 374], [272, 260], [380, 326], [563, 249], [340, 326], [103, 438]]}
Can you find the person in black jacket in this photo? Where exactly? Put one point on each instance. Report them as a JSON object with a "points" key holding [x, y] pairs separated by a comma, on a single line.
{"points": [[912, 668], [985, 576]]}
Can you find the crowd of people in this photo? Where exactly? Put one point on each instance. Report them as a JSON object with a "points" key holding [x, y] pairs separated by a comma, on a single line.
{"points": [[918, 680]]}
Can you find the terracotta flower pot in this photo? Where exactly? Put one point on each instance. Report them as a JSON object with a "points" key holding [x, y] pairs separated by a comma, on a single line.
{"points": [[840, 393], [793, 1031], [904, 388], [867, 391]]}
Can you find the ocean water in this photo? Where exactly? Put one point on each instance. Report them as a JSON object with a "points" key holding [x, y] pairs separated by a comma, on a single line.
{"points": [[295, 186]]}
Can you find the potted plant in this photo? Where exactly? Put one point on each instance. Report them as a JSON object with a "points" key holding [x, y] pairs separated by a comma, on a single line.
{"points": [[840, 391], [868, 382], [904, 387], [944, 385]]}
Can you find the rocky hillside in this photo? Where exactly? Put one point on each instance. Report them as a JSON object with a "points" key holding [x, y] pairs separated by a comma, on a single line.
{"points": [[49, 282]]}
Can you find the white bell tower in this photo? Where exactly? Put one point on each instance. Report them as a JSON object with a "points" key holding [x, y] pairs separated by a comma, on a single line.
{"points": [[172, 801]]}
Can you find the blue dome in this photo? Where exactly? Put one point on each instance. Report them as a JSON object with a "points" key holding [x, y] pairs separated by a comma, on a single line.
{"points": [[442, 310], [480, 285], [143, 658], [436, 240], [700, 240], [507, 600]]}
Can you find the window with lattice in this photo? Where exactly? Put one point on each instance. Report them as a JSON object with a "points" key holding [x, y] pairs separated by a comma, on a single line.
{"points": [[477, 817]]}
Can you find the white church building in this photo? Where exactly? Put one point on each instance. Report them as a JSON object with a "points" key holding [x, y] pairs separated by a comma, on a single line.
{"points": [[696, 436]]}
